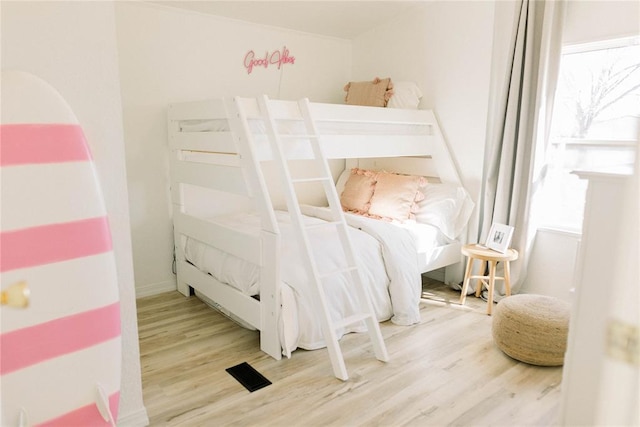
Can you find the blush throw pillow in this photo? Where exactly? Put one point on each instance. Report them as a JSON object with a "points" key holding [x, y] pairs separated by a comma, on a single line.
{"points": [[358, 189], [395, 196], [374, 93]]}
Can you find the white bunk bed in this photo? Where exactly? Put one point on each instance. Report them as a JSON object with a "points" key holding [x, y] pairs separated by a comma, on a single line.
{"points": [[205, 141]]}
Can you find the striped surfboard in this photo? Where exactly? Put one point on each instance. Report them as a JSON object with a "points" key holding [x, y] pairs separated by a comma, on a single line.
{"points": [[60, 357]]}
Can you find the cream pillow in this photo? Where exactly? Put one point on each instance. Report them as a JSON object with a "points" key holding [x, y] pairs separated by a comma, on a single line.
{"points": [[375, 93], [405, 95], [445, 206], [358, 190], [342, 181], [395, 196]]}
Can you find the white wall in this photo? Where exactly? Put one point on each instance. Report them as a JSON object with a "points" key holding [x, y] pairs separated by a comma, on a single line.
{"points": [[551, 266], [589, 21], [169, 55], [445, 47], [72, 46]]}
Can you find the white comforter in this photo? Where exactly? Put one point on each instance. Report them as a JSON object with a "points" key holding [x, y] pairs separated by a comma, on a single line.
{"points": [[386, 255]]}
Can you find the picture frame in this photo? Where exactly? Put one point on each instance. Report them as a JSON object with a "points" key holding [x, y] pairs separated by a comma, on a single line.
{"points": [[499, 237]]}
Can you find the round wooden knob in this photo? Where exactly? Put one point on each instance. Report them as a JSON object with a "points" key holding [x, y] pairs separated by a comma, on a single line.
{"points": [[16, 295]]}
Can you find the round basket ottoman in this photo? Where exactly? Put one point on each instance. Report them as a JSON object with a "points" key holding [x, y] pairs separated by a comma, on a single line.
{"points": [[532, 328]]}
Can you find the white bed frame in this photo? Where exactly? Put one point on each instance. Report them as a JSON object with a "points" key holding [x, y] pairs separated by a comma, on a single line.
{"points": [[404, 141]]}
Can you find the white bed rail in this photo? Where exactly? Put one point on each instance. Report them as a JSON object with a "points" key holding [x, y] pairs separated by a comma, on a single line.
{"points": [[347, 131], [213, 176], [240, 243]]}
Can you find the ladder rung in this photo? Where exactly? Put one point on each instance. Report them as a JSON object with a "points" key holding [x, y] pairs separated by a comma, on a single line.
{"points": [[323, 224], [355, 318], [298, 135], [316, 179], [365, 310], [340, 270]]}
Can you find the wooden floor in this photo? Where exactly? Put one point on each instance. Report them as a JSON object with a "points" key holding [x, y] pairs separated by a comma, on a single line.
{"points": [[444, 371]]}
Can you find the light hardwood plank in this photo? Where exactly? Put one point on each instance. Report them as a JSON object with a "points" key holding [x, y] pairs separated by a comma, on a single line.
{"points": [[444, 371]]}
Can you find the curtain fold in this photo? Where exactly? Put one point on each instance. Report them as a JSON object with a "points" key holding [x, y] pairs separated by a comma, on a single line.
{"points": [[514, 164]]}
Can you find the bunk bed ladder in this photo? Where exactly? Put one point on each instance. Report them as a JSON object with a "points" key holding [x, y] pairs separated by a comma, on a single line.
{"points": [[337, 225]]}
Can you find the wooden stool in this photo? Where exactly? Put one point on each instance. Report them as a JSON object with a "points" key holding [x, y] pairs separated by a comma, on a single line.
{"points": [[492, 257]]}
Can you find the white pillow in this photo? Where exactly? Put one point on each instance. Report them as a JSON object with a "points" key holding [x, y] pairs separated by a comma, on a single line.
{"points": [[445, 206], [405, 95], [342, 181]]}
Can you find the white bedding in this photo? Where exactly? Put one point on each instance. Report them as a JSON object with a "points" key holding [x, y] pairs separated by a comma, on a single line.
{"points": [[386, 253]]}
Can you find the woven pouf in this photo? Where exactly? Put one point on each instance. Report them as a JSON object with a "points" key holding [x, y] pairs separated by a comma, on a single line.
{"points": [[532, 328]]}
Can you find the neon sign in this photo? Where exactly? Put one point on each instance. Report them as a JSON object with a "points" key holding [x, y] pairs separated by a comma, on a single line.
{"points": [[278, 58]]}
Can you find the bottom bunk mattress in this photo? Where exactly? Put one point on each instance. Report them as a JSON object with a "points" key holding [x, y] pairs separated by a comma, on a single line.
{"points": [[386, 254]]}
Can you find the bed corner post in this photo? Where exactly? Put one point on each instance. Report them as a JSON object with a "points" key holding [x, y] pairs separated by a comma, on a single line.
{"points": [[177, 203], [270, 297]]}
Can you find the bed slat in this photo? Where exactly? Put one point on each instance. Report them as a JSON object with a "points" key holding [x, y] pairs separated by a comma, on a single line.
{"points": [[243, 306], [335, 146], [419, 165], [217, 142], [322, 112], [365, 146], [216, 177], [349, 113], [235, 242]]}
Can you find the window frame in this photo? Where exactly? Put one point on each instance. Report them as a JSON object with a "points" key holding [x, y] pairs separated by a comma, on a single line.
{"points": [[560, 143]]}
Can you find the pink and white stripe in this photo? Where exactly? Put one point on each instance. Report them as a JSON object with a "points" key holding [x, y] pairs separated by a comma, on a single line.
{"points": [[56, 388], [55, 235], [32, 143], [46, 244]]}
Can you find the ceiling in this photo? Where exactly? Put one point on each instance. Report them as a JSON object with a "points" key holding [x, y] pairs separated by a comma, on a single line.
{"points": [[343, 19]]}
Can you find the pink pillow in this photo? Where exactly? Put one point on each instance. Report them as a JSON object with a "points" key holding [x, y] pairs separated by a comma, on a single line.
{"points": [[358, 190], [395, 196]]}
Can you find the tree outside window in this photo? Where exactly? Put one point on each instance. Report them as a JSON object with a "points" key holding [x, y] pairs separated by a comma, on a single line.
{"points": [[595, 123]]}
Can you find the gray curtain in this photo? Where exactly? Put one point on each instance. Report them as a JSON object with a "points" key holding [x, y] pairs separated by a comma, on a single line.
{"points": [[517, 137]]}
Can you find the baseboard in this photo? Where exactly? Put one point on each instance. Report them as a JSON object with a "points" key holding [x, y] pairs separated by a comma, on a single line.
{"points": [[136, 419], [155, 288]]}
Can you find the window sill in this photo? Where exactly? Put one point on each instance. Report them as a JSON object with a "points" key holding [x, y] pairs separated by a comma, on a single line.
{"points": [[568, 232]]}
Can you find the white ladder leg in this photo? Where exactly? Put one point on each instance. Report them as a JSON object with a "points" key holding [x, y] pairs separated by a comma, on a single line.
{"points": [[270, 341], [373, 327], [338, 224]]}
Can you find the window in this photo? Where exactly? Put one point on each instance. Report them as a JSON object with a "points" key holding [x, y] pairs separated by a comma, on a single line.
{"points": [[595, 124]]}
